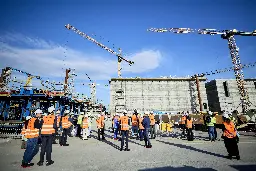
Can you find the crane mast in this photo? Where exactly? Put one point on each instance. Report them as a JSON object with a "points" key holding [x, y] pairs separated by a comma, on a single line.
{"points": [[228, 35], [120, 58]]}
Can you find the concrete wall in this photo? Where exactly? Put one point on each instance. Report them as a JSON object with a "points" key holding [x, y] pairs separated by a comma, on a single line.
{"points": [[218, 101], [165, 94]]}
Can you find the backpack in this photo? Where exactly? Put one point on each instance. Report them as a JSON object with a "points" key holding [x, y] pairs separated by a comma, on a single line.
{"points": [[208, 119]]}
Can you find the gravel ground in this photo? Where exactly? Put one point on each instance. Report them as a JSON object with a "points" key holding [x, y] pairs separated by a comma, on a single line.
{"points": [[168, 153]]}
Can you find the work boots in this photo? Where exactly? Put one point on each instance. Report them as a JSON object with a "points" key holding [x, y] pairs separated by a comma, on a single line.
{"points": [[25, 165], [40, 163], [48, 163]]}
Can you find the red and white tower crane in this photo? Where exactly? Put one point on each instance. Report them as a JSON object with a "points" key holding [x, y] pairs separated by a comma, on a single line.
{"points": [[228, 35]]}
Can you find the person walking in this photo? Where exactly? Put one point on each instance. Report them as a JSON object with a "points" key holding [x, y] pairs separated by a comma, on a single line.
{"points": [[124, 123], [49, 124], [210, 124], [230, 137], [31, 132], [146, 125]]}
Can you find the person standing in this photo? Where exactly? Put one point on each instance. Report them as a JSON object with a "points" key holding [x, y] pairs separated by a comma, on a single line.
{"points": [[100, 126], [210, 124], [31, 133], [189, 125], [146, 125], [85, 127], [116, 123], [183, 123], [79, 123], [152, 125], [49, 124], [134, 124], [214, 120], [230, 137], [124, 123], [141, 128], [65, 125]]}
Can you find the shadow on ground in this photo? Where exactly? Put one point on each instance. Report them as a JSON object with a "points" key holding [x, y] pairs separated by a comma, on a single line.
{"points": [[244, 167], [192, 148], [184, 168]]}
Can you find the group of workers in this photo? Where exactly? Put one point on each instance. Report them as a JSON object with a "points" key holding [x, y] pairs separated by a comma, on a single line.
{"points": [[43, 130]]}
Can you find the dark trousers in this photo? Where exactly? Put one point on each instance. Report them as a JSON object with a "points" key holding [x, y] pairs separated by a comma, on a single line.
{"points": [[64, 136], [152, 131], [78, 134], [32, 149], [190, 134], [46, 147], [183, 127], [231, 146], [101, 132], [146, 138], [124, 134], [141, 134], [54, 136]]}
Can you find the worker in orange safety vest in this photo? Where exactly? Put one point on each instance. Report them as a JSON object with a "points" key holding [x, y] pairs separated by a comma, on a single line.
{"points": [[49, 124], [231, 137], [100, 126], [65, 124], [31, 132], [141, 128], [135, 125], [85, 127], [124, 122], [189, 126], [183, 123], [152, 125]]}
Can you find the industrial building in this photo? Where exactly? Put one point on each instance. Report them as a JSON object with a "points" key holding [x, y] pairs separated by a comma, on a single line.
{"points": [[164, 94], [223, 94]]}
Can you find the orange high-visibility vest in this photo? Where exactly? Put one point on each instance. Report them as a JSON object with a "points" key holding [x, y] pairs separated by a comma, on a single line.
{"points": [[31, 131], [152, 119], [65, 122], [85, 123], [99, 123], [140, 123], [183, 120], [189, 123], [229, 131], [124, 123], [47, 127], [134, 120]]}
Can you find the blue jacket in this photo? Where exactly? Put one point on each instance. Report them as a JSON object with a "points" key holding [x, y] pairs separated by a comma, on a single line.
{"points": [[116, 123], [146, 122]]}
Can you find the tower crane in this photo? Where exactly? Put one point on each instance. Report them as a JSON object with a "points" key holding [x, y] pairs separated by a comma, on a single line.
{"points": [[120, 58], [228, 35]]}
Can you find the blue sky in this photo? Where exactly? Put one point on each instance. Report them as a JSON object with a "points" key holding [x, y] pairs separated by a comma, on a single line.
{"points": [[34, 39]]}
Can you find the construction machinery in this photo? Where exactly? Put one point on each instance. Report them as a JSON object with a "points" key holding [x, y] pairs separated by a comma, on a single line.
{"points": [[120, 58], [228, 35]]}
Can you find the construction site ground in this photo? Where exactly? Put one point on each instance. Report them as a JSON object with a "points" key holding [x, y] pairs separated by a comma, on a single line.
{"points": [[167, 153]]}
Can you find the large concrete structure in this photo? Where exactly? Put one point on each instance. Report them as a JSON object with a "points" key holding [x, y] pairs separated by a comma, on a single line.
{"points": [[165, 94], [223, 94]]}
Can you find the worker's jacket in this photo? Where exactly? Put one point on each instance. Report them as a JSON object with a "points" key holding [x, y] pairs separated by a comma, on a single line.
{"points": [[213, 121], [134, 120], [116, 122], [189, 123], [183, 119], [79, 119], [85, 123], [48, 125], [146, 122], [58, 121], [229, 130], [124, 123], [31, 131], [65, 123], [152, 120], [140, 124], [100, 123]]}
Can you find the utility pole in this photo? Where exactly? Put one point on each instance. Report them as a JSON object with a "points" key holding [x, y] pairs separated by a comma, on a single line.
{"points": [[66, 80], [198, 93]]}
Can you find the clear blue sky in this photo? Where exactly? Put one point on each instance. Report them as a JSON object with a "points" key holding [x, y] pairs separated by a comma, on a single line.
{"points": [[124, 23]]}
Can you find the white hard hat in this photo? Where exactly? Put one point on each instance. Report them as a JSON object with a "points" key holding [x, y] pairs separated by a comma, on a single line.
{"points": [[86, 116], [81, 113], [28, 117], [99, 115], [57, 112], [102, 113], [45, 114], [151, 112], [124, 111], [89, 113], [210, 113], [225, 115], [38, 111], [67, 112], [51, 109], [146, 113]]}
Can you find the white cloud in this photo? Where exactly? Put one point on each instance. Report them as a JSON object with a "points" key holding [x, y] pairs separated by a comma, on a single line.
{"points": [[46, 59]]}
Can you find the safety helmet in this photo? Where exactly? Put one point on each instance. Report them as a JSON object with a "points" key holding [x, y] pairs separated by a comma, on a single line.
{"points": [[125, 111], [225, 115], [58, 112], [210, 113], [51, 109], [67, 112], [99, 115], [28, 117], [81, 113], [146, 113], [38, 111], [86, 116]]}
